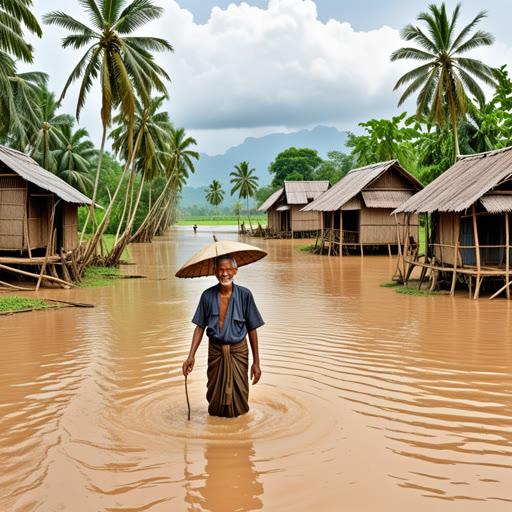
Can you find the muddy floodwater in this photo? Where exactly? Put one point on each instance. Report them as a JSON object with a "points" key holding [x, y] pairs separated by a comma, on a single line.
{"points": [[369, 400]]}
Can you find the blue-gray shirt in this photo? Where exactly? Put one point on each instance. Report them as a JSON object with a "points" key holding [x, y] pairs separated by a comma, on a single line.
{"points": [[242, 315]]}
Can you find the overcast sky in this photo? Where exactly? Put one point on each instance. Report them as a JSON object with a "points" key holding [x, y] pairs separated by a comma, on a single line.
{"points": [[251, 68]]}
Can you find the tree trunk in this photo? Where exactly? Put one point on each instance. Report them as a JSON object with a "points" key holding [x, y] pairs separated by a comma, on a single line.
{"points": [[248, 213], [91, 209]]}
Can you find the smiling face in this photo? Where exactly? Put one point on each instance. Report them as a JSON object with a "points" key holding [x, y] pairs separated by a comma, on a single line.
{"points": [[224, 272]]}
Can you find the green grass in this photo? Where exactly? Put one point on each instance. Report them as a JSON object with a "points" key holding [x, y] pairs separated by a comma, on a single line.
{"points": [[306, 248], [10, 303], [99, 276], [409, 290], [224, 220]]}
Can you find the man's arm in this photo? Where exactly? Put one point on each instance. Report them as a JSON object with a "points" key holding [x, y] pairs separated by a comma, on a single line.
{"points": [[255, 368], [188, 365]]}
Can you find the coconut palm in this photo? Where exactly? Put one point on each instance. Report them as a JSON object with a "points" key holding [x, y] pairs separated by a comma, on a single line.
{"points": [[20, 112], [237, 207], [123, 63], [245, 183], [445, 75], [154, 128], [215, 195], [74, 158], [14, 108], [48, 135], [178, 164]]}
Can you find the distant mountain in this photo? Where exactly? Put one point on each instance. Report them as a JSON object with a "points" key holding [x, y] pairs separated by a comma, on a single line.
{"points": [[260, 152]]}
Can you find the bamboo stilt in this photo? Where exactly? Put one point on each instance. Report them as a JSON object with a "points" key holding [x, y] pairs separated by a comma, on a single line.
{"points": [[456, 255], [332, 232], [507, 256], [477, 244], [65, 270], [49, 246], [341, 232]]}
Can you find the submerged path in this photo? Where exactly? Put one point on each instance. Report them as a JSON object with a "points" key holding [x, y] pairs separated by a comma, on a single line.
{"points": [[369, 400]]}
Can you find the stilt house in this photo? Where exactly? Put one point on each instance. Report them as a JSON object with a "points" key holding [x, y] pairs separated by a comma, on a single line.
{"points": [[285, 218], [356, 212], [28, 195], [469, 235]]}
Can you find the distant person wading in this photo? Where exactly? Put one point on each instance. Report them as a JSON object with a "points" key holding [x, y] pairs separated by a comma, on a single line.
{"points": [[229, 313]]}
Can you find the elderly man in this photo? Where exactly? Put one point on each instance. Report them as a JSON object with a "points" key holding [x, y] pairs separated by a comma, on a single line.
{"points": [[230, 315]]}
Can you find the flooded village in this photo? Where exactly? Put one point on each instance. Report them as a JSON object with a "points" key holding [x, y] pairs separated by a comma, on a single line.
{"points": [[330, 328]]}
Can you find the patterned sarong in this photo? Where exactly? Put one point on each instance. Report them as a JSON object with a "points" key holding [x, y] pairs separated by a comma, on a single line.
{"points": [[228, 379]]}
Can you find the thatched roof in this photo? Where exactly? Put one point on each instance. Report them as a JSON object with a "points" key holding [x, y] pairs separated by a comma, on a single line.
{"points": [[271, 200], [296, 192], [354, 182], [464, 183], [29, 170]]}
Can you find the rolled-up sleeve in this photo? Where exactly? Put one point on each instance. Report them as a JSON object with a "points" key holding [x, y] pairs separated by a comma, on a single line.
{"points": [[253, 319], [201, 315]]}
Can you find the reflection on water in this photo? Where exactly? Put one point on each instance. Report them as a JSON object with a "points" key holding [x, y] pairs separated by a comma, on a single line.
{"points": [[369, 400], [228, 482]]}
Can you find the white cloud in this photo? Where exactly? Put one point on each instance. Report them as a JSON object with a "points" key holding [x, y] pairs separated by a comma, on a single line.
{"points": [[252, 67], [249, 70]]}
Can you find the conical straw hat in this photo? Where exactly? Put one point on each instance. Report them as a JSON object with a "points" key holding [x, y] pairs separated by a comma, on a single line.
{"points": [[201, 264]]}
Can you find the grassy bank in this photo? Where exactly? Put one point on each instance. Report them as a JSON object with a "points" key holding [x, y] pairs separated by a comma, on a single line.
{"points": [[99, 276], [224, 220], [11, 303], [410, 290]]}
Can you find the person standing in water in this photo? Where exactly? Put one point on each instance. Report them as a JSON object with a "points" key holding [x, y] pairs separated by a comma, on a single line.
{"points": [[195, 228], [229, 313]]}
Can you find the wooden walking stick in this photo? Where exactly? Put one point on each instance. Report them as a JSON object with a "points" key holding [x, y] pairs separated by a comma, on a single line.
{"points": [[186, 393]]}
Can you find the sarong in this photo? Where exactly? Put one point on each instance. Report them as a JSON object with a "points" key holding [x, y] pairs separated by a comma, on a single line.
{"points": [[228, 379]]}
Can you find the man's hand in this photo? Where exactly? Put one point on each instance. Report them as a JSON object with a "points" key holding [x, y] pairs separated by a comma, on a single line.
{"points": [[188, 365], [255, 373]]}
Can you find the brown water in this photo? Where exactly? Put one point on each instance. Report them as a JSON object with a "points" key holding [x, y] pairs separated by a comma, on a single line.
{"points": [[369, 400]]}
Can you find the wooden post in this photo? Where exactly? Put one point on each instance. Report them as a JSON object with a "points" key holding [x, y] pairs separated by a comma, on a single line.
{"points": [[456, 255], [507, 256], [49, 246], [389, 250], [399, 244], [341, 232], [65, 271], [477, 249], [470, 286], [332, 232], [406, 243]]}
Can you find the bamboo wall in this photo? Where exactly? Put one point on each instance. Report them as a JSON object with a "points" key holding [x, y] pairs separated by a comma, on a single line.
{"points": [[390, 179], [273, 220], [378, 226], [69, 226], [446, 233], [38, 220], [304, 221], [12, 211]]}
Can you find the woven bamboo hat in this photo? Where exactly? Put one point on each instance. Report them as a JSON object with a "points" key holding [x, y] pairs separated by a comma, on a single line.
{"points": [[202, 263]]}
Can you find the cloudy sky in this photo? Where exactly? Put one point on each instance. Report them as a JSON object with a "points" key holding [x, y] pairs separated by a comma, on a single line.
{"points": [[252, 68]]}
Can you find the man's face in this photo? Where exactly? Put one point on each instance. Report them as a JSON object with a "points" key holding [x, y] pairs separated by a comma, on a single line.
{"points": [[225, 272]]}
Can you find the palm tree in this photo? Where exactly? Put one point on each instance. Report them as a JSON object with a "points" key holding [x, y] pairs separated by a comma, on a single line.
{"points": [[237, 206], [48, 135], [123, 62], [14, 14], [215, 195], [20, 112], [154, 128], [178, 164], [444, 76], [245, 183], [74, 157]]}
